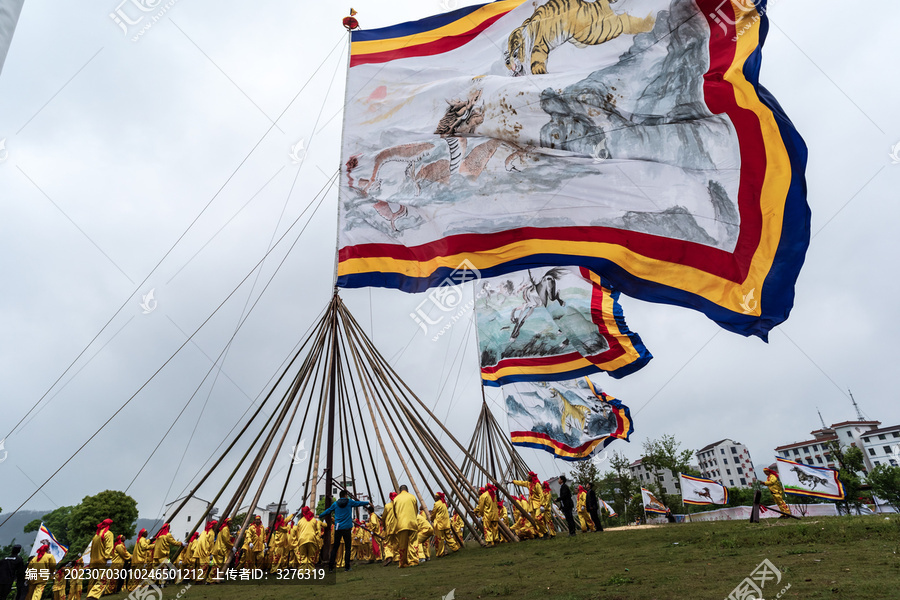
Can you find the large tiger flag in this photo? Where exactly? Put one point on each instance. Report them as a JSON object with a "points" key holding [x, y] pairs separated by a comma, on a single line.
{"points": [[523, 134], [696, 490], [651, 504], [45, 537], [571, 419], [552, 324], [807, 480]]}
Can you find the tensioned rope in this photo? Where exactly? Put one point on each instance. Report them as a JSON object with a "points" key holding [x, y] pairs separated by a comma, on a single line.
{"points": [[172, 248]]}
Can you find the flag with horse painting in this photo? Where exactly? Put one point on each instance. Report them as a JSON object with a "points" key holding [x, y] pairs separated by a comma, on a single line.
{"points": [[807, 480], [552, 324], [651, 503], [632, 139], [572, 420], [696, 490]]}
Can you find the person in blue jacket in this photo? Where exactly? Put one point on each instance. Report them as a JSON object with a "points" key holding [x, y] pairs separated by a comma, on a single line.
{"points": [[343, 525]]}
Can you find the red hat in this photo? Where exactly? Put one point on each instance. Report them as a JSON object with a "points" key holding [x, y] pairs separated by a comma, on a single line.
{"points": [[769, 471], [42, 551], [142, 533], [224, 524], [210, 525], [393, 495], [440, 496], [546, 485], [194, 537], [103, 526], [163, 531]]}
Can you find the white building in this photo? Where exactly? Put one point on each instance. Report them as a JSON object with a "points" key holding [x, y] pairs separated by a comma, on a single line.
{"points": [[882, 446], [183, 523], [727, 462], [817, 452], [664, 477]]}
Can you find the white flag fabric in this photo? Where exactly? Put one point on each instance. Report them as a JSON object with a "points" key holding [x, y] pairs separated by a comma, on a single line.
{"points": [[9, 17], [608, 507], [651, 504], [695, 490], [807, 480], [45, 537]]}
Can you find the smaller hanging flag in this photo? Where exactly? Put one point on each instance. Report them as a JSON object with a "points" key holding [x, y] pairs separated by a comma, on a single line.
{"points": [[45, 537], [695, 490], [552, 324], [806, 480], [571, 419], [651, 504], [608, 508]]}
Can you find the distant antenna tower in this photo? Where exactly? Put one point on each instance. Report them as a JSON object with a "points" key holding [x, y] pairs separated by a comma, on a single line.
{"points": [[821, 419], [859, 414]]}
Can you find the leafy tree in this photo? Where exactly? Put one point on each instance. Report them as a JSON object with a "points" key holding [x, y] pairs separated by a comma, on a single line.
{"points": [[620, 484], [57, 521], [850, 459], [83, 519], [665, 454], [885, 482], [585, 472]]}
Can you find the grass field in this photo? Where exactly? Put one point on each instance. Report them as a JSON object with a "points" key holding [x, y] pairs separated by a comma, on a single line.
{"points": [[853, 558]]}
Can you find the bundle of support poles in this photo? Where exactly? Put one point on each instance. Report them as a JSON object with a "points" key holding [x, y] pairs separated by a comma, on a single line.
{"points": [[354, 407]]}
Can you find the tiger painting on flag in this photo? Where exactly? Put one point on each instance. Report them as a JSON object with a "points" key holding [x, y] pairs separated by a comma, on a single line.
{"points": [[634, 141]]}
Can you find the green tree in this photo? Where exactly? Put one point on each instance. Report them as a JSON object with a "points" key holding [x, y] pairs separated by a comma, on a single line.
{"points": [[850, 460], [234, 525], [57, 521], [885, 482], [585, 472], [83, 519], [664, 454], [619, 483]]}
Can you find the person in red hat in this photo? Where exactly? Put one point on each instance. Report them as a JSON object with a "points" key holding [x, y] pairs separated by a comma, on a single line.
{"points": [[443, 534], [141, 557], [221, 551], [535, 499], [389, 518], [102, 547], [774, 485]]}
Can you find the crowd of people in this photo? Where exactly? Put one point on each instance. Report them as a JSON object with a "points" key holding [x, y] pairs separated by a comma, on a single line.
{"points": [[404, 534]]}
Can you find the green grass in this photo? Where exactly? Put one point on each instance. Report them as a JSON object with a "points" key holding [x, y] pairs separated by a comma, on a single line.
{"points": [[827, 557]]}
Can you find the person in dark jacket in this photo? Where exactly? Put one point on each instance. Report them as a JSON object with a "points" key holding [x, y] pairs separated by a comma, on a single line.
{"points": [[12, 570], [343, 526], [566, 503], [593, 506]]}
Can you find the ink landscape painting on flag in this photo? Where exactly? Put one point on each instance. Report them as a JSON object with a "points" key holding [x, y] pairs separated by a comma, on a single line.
{"points": [[635, 143]]}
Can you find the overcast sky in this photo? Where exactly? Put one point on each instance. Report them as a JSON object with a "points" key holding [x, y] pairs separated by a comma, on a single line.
{"points": [[117, 143]]}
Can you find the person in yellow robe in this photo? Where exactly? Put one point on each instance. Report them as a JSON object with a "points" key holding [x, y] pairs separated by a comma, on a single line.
{"points": [[581, 508], [774, 485], [490, 515], [102, 547], [456, 523], [141, 558], [443, 533], [163, 542], [279, 545], [59, 582], [547, 513], [120, 555], [44, 566], [221, 552], [254, 539], [535, 499], [389, 518], [202, 551], [376, 528], [407, 511], [306, 533], [424, 535], [185, 562], [74, 571]]}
